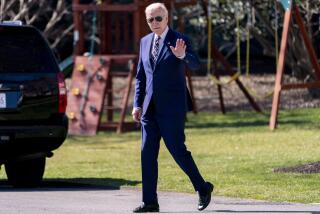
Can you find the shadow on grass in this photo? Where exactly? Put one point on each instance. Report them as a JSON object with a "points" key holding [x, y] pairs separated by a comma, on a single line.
{"points": [[241, 124], [303, 119], [235, 124], [72, 184]]}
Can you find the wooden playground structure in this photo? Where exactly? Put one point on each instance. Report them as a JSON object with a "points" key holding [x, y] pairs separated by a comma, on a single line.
{"points": [[119, 28], [292, 10]]}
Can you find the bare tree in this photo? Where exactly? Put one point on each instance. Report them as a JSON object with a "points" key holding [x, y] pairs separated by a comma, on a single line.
{"points": [[53, 17]]}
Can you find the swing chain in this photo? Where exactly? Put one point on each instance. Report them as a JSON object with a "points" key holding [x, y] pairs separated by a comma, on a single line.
{"points": [[238, 7]]}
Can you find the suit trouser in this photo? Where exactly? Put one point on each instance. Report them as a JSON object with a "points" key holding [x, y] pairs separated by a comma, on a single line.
{"points": [[171, 129]]}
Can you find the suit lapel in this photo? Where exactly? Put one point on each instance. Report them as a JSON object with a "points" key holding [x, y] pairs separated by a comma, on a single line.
{"points": [[148, 48], [168, 41]]}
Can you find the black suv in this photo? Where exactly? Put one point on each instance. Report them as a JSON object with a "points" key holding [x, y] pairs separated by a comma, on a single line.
{"points": [[32, 104]]}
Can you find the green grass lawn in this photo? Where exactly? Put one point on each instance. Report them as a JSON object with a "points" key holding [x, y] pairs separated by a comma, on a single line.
{"points": [[236, 152]]}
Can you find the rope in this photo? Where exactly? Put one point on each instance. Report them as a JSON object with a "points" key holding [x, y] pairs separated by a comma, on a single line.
{"points": [[250, 23], [238, 43], [256, 95], [211, 76], [223, 83], [248, 53], [248, 27]]}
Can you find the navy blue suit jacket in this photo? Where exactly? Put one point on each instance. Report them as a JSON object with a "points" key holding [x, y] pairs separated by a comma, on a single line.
{"points": [[165, 81]]}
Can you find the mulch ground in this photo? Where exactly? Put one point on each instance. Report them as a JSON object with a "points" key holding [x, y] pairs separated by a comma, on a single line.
{"points": [[305, 169], [259, 86]]}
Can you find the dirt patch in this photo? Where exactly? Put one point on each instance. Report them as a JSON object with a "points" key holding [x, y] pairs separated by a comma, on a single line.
{"points": [[207, 97], [259, 86], [305, 169]]}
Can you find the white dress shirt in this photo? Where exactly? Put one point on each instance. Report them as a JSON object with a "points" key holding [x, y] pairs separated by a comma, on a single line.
{"points": [[161, 41]]}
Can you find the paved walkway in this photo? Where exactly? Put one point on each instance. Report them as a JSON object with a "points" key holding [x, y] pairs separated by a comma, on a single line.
{"points": [[88, 200]]}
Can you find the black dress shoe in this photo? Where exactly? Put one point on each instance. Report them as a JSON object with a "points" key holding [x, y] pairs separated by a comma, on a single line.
{"points": [[205, 198], [144, 208]]}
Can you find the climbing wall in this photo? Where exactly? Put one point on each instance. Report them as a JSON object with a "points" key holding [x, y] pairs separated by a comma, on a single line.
{"points": [[86, 94]]}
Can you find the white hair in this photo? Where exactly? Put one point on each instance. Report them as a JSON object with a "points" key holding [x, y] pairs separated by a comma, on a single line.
{"points": [[155, 6]]}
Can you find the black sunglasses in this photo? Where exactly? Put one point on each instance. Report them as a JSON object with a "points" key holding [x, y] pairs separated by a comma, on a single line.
{"points": [[157, 18]]}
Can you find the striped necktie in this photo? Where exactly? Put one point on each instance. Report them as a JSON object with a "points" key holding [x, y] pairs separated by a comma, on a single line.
{"points": [[155, 50]]}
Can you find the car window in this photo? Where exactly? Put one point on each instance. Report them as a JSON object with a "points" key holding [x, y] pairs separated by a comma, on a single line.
{"points": [[24, 51]]}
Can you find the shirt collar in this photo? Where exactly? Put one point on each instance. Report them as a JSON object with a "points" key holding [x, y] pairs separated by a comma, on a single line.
{"points": [[164, 33]]}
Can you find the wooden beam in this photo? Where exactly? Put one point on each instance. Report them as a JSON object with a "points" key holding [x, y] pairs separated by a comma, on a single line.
{"points": [[307, 42], [301, 85], [126, 97], [109, 96], [103, 33], [194, 105], [124, 58], [78, 31], [228, 68], [183, 3], [117, 34], [222, 106], [126, 32], [105, 7], [280, 70]]}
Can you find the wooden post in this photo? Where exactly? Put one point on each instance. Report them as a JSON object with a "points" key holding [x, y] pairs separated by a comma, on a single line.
{"points": [[137, 29], [307, 41], [109, 99], [103, 33], [194, 105], [126, 32], [126, 96], [117, 21], [219, 57], [78, 30], [280, 69], [117, 37], [222, 107]]}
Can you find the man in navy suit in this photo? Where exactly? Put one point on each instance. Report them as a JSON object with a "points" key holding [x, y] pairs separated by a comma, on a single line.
{"points": [[161, 103]]}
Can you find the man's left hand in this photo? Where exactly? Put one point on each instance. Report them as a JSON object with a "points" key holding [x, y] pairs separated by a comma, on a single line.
{"points": [[180, 49]]}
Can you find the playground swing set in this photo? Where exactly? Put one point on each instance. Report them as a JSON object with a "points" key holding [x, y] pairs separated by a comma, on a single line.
{"points": [[120, 26], [214, 73], [215, 56], [291, 10]]}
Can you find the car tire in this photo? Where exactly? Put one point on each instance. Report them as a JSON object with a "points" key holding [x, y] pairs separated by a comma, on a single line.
{"points": [[26, 173]]}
